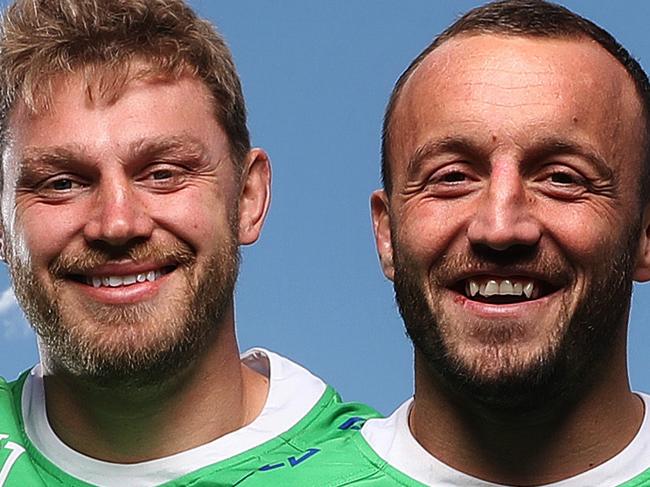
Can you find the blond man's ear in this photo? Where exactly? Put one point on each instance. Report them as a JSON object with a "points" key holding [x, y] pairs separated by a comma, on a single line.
{"points": [[255, 195]]}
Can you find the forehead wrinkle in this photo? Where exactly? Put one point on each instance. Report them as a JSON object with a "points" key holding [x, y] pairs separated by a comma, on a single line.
{"points": [[458, 58], [435, 69]]}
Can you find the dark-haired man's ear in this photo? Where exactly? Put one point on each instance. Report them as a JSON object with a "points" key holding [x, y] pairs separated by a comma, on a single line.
{"points": [[642, 266]]}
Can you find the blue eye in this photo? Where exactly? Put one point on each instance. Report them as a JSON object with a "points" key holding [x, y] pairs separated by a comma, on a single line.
{"points": [[62, 184], [61, 188]]}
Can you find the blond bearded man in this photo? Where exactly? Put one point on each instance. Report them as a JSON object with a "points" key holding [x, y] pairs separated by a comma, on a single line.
{"points": [[128, 184]]}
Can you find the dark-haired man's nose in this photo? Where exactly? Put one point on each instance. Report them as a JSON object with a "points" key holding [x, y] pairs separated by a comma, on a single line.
{"points": [[504, 218]]}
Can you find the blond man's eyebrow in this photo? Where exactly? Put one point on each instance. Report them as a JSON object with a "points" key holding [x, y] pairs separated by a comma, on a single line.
{"points": [[168, 146], [34, 157]]}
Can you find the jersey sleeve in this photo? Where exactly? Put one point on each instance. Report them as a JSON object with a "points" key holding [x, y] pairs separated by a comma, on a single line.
{"points": [[16, 469]]}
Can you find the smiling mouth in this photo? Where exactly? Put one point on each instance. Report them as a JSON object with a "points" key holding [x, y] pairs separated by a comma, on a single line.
{"points": [[98, 281], [500, 290]]}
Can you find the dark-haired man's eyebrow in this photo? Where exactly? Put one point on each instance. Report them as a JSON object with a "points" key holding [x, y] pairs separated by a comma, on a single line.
{"points": [[433, 148], [548, 147], [542, 148]]}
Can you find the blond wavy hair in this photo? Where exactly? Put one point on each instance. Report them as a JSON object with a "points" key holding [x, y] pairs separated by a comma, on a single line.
{"points": [[111, 42]]}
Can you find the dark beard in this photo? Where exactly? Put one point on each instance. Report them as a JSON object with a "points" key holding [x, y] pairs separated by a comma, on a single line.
{"points": [[84, 351], [562, 370]]}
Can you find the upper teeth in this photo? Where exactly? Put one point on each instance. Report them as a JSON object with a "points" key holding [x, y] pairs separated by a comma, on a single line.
{"points": [[117, 281], [493, 287]]}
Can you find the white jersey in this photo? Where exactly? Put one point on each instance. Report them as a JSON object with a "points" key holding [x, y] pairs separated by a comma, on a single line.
{"points": [[392, 440], [283, 409], [304, 436]]}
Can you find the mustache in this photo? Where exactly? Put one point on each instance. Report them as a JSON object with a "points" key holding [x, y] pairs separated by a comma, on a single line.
{"points": [[551, 267], [88, 259]]}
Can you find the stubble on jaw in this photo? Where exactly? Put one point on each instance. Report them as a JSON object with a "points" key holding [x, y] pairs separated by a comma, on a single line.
{"points": [[120, 345], [492, 367]]}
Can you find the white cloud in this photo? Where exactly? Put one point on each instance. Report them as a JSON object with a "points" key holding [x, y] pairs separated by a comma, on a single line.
{"points": [[7, 300], [13, 324]]}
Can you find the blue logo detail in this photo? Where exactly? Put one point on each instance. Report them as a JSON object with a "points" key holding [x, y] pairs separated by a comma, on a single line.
{"points": [[353, 423], [293, 461]]}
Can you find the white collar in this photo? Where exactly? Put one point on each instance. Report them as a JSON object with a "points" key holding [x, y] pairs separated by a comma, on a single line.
{"points": [[392, 440], [293, 391]]}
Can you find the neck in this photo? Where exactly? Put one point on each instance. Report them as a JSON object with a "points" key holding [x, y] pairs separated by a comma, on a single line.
{"points": [[213, 396], [557, 440]]}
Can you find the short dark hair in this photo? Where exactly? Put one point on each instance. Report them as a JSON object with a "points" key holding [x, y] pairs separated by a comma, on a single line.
{"points": [[527, 18], [104, 39]]}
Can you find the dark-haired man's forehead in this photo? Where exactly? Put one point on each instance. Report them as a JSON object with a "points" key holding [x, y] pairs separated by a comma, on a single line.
{"points": [[503, 69], [489, 51]]}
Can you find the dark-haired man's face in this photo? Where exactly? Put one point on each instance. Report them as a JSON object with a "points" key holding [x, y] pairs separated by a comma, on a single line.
{"points": [[512, 228]]}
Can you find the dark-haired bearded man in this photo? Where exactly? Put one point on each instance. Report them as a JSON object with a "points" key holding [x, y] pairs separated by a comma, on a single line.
{"points": [[513, 220]]}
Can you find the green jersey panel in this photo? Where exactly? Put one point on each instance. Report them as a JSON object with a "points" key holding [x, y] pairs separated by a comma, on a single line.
{"points": [[16, 467], [324, 449], [318, 451], [642, 480]]}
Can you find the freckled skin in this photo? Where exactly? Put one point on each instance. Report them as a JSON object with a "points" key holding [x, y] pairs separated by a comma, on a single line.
{"points": [[501, 184]]}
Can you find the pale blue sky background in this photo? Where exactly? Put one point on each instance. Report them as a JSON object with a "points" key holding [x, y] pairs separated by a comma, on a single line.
{"points": [[316, 77]]}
